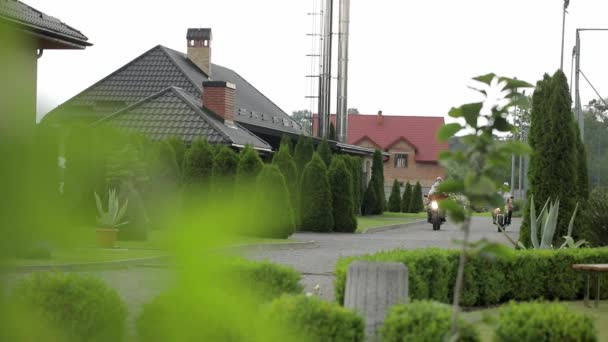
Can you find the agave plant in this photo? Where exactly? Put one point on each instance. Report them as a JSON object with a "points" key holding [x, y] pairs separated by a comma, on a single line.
{"points": [[547, 222], [115, 213]]}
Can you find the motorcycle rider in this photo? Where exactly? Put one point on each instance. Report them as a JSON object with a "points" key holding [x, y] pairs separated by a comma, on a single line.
{"points": [[433, 192], [506, 195]]}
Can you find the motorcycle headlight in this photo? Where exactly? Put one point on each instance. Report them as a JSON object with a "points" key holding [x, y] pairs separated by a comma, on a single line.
{"points": [[434, 205]]}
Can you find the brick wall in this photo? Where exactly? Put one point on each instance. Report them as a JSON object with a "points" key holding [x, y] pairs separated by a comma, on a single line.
{"points": [[219, 97]]}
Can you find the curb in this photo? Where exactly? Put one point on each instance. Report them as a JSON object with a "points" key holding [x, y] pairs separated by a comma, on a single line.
{"points": [[272, 246], [83, 266], [392, 227]]}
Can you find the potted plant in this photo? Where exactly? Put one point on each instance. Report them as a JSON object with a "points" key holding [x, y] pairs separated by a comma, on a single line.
{"points": [[108, 221]]}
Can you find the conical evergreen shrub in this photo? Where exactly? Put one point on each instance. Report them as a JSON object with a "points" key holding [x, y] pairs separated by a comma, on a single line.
{"points": [[198, 163], [180, 149], [324, 152], [369, 200], [283, 160], [224, 170], [332, 131], [394, 200], [416, 204], [250, 164], [553, 163], [286, 140], [406, 199], [356, 170], [378, 183], [315, 197], [274, 203], [303, 153], [341, 184]]}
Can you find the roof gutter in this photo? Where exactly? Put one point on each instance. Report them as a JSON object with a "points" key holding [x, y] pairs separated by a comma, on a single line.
{"points": [[255, 148], [48, 34]]}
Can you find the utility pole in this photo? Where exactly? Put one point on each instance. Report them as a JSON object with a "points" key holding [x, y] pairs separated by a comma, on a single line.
{"points": [[566, 3]]}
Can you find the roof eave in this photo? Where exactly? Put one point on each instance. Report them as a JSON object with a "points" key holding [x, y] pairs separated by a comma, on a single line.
{"points": [[69, 41]]}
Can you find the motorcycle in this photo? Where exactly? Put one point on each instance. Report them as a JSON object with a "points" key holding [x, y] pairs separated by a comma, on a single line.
{"points": [[499, 217], [435, 216]]}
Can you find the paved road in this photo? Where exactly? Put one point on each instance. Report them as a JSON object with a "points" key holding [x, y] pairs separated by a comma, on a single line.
{"points": [[317, 264]]}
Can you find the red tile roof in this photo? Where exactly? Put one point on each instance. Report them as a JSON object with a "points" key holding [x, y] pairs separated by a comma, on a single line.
{"points": [[419, 131]]}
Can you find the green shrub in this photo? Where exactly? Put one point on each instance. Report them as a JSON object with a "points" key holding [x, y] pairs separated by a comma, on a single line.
{"points": [[250, 164], [416, 204], [273, 199], [423, 321], [369, 200], [341, 185], [225, 164], [198, 163], [522, 275], [324, 152], [315, 198], [597, 231], [303, 153], [180, 316], [83, 307], [287, 165], [377, 181], [394, 200], [180, 149], [356, 170], [312, 319], [407, 196], [543, 322]]}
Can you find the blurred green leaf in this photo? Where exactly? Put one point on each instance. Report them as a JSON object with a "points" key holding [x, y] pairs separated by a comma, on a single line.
{"points": [[447, 131], [454, 209], [516, 147], [482, 186], [451, 186], [502, 125], [513, 84], [487, 79]]}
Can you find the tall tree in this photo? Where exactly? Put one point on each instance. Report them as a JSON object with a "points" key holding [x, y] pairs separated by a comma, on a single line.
{"points": [[553, 165], [324, 152], [407, 197], [369, 200], [315, 197], [377, 182], [394, 200], [341, 184], [303, 152]]}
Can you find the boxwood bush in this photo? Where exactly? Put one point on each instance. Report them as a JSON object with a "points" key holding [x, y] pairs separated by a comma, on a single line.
{"points": [[423, 321], [83, 307], [181, 315], [543, 322], [519, 275], [312, 319]]}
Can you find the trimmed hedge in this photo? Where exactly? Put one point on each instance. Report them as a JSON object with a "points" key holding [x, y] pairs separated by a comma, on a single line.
{"points": [[519, 275], [312, 319], [273, 200], [543, 322], [250, 164], [324, 152], [82, 307], [179, 315], [423, 321], [316, 210], [341, 185]]}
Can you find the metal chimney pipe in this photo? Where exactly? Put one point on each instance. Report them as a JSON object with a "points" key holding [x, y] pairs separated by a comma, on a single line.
{"points": [[325, 84], [577, 98], [342, 106]]}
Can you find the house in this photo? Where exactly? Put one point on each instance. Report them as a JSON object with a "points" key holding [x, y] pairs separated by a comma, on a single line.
{"points": [[25, 33], [165, 93], [410, 143]]}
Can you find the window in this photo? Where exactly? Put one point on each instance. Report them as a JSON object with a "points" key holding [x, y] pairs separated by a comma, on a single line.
{"points": [[401, 160]]}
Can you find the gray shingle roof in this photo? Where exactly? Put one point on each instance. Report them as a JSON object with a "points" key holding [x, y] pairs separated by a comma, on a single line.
{"points": [[160, 68], [20, 13], [173, 112]]}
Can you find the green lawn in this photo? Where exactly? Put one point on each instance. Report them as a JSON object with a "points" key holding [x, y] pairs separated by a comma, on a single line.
{"points": [[387, 219], [600, 316]]}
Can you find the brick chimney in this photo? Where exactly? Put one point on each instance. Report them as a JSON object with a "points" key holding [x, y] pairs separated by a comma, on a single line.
{"points": [[379, 117], [218, 96], [199, 48]]}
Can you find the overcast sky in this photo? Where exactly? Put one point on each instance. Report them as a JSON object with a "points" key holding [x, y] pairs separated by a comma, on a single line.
{"points": [[406, 57]]}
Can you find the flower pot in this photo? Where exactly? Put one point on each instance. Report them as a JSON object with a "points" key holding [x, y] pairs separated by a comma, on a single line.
{"points": [[106, 237]]}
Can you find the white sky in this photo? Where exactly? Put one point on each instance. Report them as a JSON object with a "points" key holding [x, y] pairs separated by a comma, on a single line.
{"points": [[406, 57]]}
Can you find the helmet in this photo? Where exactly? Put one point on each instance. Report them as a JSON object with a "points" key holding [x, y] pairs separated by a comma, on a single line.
{"points": [[439, 179], [506, 184]]}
